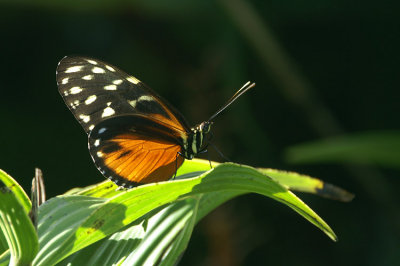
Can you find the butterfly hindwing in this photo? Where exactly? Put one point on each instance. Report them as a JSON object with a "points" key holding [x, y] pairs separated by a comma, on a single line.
{"points": [[134, 150], [95, 91]]}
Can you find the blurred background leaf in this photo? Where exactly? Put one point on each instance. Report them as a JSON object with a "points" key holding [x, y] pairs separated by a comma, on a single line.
{"points": [[375, 148], [321, 68]]}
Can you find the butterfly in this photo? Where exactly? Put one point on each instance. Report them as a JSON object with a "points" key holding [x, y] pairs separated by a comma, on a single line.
{"points": [[134, 136]]}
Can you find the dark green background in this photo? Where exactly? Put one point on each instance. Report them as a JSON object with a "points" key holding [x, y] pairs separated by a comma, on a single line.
{"points": [[196, 56]]}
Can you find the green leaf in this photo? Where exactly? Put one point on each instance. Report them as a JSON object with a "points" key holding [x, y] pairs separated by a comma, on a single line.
{"points": [[182, 233], [16, 226], [72, 222], [158, 237], [304, 183], [118, 251], [134, 237], [379, 148], [17, 190], [162, 232]]}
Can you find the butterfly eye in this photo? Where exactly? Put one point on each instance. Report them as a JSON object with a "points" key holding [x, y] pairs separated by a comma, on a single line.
{"points": [[205, 127]]}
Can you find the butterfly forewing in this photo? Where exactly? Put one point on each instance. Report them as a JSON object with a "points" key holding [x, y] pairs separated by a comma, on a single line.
{"points": [[95, 91]]}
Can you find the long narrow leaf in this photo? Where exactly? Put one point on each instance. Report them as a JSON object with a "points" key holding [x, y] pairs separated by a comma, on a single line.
{"points": [[16, 228], [303, 183], [17, 190]]}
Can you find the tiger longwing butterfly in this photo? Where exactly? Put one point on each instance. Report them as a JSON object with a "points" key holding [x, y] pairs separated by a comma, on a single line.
{"points": [[135, 137]]}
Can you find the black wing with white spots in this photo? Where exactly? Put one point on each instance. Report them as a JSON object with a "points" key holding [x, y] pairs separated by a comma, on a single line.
{"points": [[95, 91]]}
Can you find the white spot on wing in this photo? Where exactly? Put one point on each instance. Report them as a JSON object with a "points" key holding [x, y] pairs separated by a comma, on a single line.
{"points": [[97, 143], [65, 93], [108, 111], [141, 99], [88, 77], [90, 99], [75, 90], [117, 81], [73, 69], [74, 104], [98, 70], [133, 103], [100, 154], [85, 118], [91, 127], [64, 81], [110, 68], [108, 103], [92, 62], [110, 87], [145, 98], [133, 80]]}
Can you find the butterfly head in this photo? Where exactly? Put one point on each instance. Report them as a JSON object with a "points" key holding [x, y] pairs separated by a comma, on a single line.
{"points": [[197, 140], [204, 127]]}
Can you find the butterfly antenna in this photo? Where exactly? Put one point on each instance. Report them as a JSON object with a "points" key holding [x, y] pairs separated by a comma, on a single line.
{"points": [[242, 90]]}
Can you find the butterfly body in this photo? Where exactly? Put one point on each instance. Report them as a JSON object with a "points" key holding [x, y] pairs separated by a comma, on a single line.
{"points": [[135, 137], [196, 140]]}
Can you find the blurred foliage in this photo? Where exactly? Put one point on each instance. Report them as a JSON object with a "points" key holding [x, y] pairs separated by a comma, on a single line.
{"points": [[321, 68], [377, 148]]}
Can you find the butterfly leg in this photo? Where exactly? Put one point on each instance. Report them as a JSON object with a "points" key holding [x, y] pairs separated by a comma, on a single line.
{"points": [[226, 159], [205, 150], [176, 163], [208, 157]]}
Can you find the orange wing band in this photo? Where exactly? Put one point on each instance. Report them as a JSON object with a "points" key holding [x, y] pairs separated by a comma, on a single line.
{"points": [[141, 160]]}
